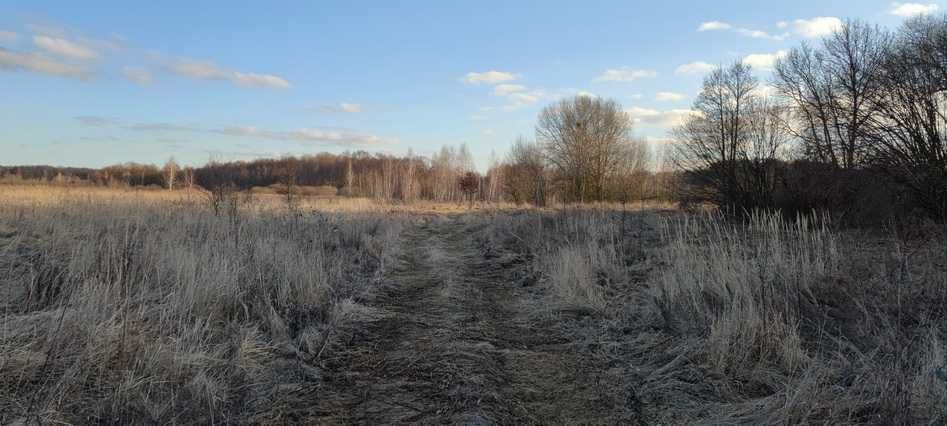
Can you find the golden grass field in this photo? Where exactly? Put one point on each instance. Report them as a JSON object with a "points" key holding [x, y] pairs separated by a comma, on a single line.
{"points": [[139, 307]]}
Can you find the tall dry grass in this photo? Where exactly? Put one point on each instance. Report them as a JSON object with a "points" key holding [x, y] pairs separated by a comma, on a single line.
{"points": [[132, 307], [758, 320]]}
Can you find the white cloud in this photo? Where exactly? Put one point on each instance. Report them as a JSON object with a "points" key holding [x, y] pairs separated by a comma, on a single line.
{"points": [[695, 68], [637, 96], [713, 26], [36, 62], [259, 80], [163, 127], [626, 74], [521, 99], [203, 70], [489, 77], [764, 61], [322, 136], [759, 34], [815, 27], [488, 132], [526, 98], [668, 97], [8, 36], [200, 70], [507, 89], [137, 75], [342, 107], [66, 48], [664, 119], [478, 117], [518, 96], [586, 94], [907, 10], [338, 137]]}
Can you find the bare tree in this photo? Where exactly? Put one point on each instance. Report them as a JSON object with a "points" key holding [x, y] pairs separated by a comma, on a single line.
{"points": [[526, 173], [349, 177], [584, 138], [908, 138], [728, 149], [169, 172], [834, 92], [495, 179], [631, 172]]}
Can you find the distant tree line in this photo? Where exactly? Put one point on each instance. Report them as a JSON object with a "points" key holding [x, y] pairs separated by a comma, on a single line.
{"points": [[48, 173]]}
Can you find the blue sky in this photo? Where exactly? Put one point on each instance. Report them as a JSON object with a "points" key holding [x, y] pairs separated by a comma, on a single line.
{"points": [[102, 82]]}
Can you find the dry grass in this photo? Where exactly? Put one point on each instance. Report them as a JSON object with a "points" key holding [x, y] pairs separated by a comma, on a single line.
{"points": [[792, 322], [144, 307], [757, 321]]}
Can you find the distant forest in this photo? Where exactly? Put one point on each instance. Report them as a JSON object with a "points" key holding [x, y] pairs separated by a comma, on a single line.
{"points": [[447, 176]]}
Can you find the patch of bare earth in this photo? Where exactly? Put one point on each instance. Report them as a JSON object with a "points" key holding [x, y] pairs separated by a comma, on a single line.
{"points": [[447, 341]]}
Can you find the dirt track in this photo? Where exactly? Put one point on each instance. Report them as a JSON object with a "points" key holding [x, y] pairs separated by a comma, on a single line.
{"points": [[448, 339]]}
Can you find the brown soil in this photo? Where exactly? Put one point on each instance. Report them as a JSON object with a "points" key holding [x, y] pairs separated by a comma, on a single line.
{"points": [[450, 339]]}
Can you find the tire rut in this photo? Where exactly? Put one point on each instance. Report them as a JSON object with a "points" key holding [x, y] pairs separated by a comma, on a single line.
{"points": [[447, 342]]}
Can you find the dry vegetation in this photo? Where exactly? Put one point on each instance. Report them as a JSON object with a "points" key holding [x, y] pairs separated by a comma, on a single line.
{"points": [[139, 307], [755, 321], [146, 306]]}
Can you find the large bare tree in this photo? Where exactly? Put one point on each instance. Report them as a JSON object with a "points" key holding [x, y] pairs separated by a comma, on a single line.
{"points": [[584, 139], [833, 91], [908, 136], [729, 147]]}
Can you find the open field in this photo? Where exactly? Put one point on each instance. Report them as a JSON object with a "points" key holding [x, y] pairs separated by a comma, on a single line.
{"points": [[151, 307]]}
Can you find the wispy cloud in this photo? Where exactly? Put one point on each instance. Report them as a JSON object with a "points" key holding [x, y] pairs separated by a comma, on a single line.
{"points": [[205, 70], [695, 68], [164, 127], [39, 63], [65, 48], [907, 10], [95, 121], [626, 74], [259, 80], [342, 107], [764, 61], [489, 77], [507, 89], [759, 34], [138, 75], [323, 136], [668, 97], [518, 100], [662, 119], [714, 26], [747, 32], [812, 28]]}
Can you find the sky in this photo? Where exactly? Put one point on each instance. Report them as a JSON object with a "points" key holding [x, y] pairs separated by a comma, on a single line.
{"points": [[102, 82]]}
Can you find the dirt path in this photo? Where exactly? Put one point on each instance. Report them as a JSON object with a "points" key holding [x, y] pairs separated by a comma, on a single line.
{"points": [[446, 341]]}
